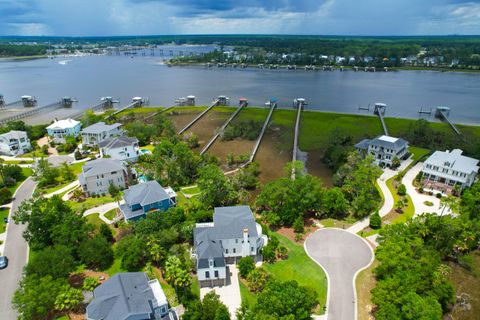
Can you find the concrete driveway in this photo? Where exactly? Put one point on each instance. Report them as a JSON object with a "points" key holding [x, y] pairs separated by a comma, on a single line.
{"points": [[229, 294], [342, 255], [16, 249]]}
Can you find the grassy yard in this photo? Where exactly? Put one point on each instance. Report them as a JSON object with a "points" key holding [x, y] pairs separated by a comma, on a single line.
{"points": [[190, 190], [248, 297], [76, 168], [94, 219], [408, 211], [3, 214], [364, 283], [111, 214], [301, 268], [418, 153], [89, 203], [18, 162]]}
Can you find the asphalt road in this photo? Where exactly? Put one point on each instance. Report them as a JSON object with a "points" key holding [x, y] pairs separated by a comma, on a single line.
{"points": [[341, 254], [16, 250]]}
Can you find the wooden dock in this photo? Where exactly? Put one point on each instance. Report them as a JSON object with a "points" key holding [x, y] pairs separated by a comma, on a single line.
{"points": [[380, 112], [191, 123], [273, 105], [222, 128]]}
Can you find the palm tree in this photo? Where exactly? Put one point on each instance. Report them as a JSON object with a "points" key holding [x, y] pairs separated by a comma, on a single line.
{"points": [[155, 249]]}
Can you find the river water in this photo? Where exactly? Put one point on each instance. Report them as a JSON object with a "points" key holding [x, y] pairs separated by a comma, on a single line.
{"points": [[88, 78]]}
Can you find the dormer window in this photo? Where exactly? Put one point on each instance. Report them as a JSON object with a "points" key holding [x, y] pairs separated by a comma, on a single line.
{"points": [[210, 263]]}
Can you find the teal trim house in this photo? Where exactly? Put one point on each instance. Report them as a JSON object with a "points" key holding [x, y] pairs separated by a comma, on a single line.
{"points": [[146, 197]]}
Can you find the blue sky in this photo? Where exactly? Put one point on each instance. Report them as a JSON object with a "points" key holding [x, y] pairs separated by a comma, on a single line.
{"points": [[340, 17]]}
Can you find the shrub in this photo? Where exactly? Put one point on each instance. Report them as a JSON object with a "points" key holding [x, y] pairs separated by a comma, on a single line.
{"points": [[89, 284], [298, 225], [96, 253], [257, 279], [420, 190], [401, 190], [438, 195], [375, 221], [269, 253], [45, 149], [245, 266], [5, 196]]}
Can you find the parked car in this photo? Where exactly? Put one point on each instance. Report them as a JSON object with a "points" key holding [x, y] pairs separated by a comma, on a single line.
{"points": [[3, 262]]}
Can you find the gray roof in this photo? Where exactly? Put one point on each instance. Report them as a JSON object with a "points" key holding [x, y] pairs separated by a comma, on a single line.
{"points": [[100, 127], [117, 142], [228, 223], [129, 213], [208, 248], [122, 296], [101, 166], [453, 160], [145, 193], [383, 141], [14, 134], [231, 221]]}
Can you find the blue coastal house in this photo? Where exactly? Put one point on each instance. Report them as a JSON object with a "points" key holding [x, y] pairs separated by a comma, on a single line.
{"points": [[61, 129], [146, 197]]}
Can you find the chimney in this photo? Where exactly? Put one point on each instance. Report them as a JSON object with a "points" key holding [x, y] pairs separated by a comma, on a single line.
{"points": [[245, 235]]}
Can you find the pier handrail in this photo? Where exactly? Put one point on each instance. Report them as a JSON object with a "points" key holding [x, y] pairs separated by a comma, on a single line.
{"points": [[222, 128], [31, 112], [191, 123], [449, 122], [260, 136]]}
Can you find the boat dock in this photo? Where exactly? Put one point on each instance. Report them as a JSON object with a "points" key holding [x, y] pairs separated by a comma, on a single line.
{"points": [[273, 104], [442, 113], [189, 101], [105, 104], [243, 103], [65, 102], [380, 112], [136, 102], [298, 103], [221, 100]]}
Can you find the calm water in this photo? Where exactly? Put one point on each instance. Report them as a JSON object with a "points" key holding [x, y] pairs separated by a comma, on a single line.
{"points": [[92, 77]]}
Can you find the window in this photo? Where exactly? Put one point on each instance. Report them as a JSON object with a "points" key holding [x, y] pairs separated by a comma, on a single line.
{"points": [[234, 250], [210, 263], [236, 240], [216, 274], [207, 274], [226, 251], [251, 248]]}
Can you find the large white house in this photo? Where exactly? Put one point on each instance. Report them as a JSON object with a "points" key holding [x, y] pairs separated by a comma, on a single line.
{"points": [[61, 129], [384, 149], [100, 131], [97, 175], [445, 169], [14, 143], [120, 148], [232, 234]]}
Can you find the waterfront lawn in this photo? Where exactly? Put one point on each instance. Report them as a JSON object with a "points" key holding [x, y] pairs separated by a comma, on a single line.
{"points": [[3, 214], [299, 267], [418, 154]]}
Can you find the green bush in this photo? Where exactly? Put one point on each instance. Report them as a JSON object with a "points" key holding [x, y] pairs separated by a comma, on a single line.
{"points": [[245, 266], [89, 284], [375, 221], [5, 196], [401, 190]]}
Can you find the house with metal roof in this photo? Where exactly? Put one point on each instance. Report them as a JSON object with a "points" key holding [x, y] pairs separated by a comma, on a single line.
{"points": [[61, 129], [129, 296], [233, 234], [384, 149], [146, 197], [97, 175], [100, 131], [120, 148], [14, 143], [445, 169]]}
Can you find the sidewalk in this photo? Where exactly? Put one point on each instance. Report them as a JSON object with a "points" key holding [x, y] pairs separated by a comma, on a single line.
{"points": [[388, 198]]}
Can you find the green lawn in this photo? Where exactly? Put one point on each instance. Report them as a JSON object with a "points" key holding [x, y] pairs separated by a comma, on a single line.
{"points": [[301, 268], [418, 153], [27, 172], [94, 219], [111, 214], [140, 110], [3, 214], [190, 190], [76, 168], [89, 203], [408, 211], [18, 162], [248, 298]]}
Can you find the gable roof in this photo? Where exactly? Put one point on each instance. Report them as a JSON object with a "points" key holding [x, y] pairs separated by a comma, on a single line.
{"points": [[100, 166], [208, 248], [100, 127], [64, 124], [383, 141], [124, 295], [117, 142], [145, 193]]}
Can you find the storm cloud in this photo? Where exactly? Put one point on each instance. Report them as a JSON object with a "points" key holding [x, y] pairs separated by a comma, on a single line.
{"points": [[345, 17]]}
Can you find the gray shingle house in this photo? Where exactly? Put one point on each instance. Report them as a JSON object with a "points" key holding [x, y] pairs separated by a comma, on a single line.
{"points": [[97, 175], [384, 149], [445, 169], [100, 131], [120, 148], [14, 143], [232, 234], [129, 296], [146, 197]]}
